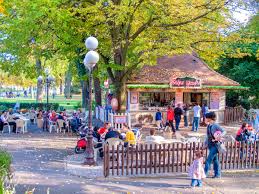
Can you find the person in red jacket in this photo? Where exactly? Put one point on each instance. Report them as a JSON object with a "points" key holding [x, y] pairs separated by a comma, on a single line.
{"points": [[170, 118]]}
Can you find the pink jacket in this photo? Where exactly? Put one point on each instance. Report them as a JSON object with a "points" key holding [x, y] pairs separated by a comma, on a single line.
{"points": [[196, 170]]}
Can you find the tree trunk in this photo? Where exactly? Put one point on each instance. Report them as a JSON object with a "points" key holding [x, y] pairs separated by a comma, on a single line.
{"points": [[120, 93], [39, 95], [85, 94], [120, 81], [61, 87], [97, 91], [68, 80], [39, 91]]}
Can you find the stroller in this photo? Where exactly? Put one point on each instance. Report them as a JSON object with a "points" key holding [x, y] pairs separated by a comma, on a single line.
{"points": [[82, 142]]}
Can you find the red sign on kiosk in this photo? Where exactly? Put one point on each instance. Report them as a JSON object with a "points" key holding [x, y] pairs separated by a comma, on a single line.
{"points": [[120, 119], [185, 82]]}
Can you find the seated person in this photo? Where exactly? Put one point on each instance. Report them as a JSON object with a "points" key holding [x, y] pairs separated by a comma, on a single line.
{"points": [[112, 133], [154, 138], [243, 133], [4, 121], [53, 116], [40, 115], [96, 134], [61, 116], [103, 130], [130, 136]]}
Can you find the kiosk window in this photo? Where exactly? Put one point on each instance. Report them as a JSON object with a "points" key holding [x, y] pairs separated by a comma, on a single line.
{"points": [[153, 99]]}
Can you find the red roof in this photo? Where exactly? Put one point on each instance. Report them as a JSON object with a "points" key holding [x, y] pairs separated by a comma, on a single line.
{"points": [[186, 65]]}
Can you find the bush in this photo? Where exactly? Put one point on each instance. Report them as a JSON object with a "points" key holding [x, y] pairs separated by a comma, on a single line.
{"points": [[5, 162], [28, 105]]}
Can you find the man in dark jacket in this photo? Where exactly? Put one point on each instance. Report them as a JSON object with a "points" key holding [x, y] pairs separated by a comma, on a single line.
{"points": [[113, 134], [177, 115]]}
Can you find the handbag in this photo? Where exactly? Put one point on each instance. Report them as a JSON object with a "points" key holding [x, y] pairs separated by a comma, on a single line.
{"points": [[220, 145]]}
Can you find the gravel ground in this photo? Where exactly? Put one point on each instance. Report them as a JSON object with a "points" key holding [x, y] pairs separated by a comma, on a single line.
{"points": [[39, 164]]}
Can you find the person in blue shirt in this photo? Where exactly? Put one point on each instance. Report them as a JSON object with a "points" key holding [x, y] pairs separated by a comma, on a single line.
{"points": [[159, 119], [205, 110]]}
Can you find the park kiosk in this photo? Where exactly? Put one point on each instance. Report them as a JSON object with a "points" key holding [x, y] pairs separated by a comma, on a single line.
{"points": [[180, 79]]}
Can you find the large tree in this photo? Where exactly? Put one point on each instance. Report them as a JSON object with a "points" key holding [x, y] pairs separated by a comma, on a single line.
{"points": [[131, 32], [135, 32], [240, 63]]}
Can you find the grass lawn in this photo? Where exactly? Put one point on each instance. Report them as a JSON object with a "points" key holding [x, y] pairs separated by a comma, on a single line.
{"points": [[66, 103]]}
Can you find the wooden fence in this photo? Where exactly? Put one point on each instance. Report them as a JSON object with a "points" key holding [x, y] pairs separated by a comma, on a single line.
{"points": [[232, 115], [170, 158]]}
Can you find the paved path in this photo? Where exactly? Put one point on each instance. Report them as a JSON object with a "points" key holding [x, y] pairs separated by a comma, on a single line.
{"points": [[38, 164]]}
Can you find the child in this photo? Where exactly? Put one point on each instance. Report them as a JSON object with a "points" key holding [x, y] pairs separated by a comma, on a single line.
{"points": [[196, 170]]}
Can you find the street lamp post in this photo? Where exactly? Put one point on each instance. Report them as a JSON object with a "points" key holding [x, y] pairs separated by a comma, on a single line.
{"points": [[49, 79], [91, 58]]}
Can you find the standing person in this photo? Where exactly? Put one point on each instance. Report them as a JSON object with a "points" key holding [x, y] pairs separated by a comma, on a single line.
{"points": [[170, 118], [213, 143], [177, 115], [196, 117], [186, 115], [159, 119], [45, 115], [196, 171], [204, 110]]}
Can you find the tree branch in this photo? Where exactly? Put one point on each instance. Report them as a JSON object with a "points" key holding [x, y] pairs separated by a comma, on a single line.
{"points": [[196, 18], [131, 19], [142, 28], [109, 70]]}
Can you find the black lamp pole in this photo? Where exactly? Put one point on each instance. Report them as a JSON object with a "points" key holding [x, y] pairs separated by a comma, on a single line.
{"points": [[47, 82], [89, 159]]}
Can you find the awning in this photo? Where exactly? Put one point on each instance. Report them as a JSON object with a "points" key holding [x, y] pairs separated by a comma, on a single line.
{"points": [[167, 86]]}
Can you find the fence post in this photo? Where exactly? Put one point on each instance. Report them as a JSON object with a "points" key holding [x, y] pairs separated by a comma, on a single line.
{"points": [[129, 119], [111, 119]]}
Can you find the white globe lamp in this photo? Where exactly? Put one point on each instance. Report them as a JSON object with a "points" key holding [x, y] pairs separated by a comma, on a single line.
{"points": [[91, 43], [91, 58]]}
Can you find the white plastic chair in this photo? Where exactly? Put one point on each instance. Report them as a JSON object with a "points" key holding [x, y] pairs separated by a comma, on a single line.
{"points": [[32, 115], [20, 124], [60, 126], [51, 125]]}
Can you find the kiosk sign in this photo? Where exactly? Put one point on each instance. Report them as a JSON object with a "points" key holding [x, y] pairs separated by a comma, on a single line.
{"points": [[185, 82], [120, 119]]}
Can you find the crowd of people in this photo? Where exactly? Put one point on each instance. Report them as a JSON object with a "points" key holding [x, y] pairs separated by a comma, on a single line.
{"points": [[174, 115], [43, 119], [126, 134]]}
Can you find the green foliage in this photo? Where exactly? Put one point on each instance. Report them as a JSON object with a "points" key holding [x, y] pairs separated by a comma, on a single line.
{"points": [[41, 106], [240, 63], [5, 162]]}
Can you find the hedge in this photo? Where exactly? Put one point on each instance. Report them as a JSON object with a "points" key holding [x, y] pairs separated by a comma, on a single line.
{"points": [[29, 105]]}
